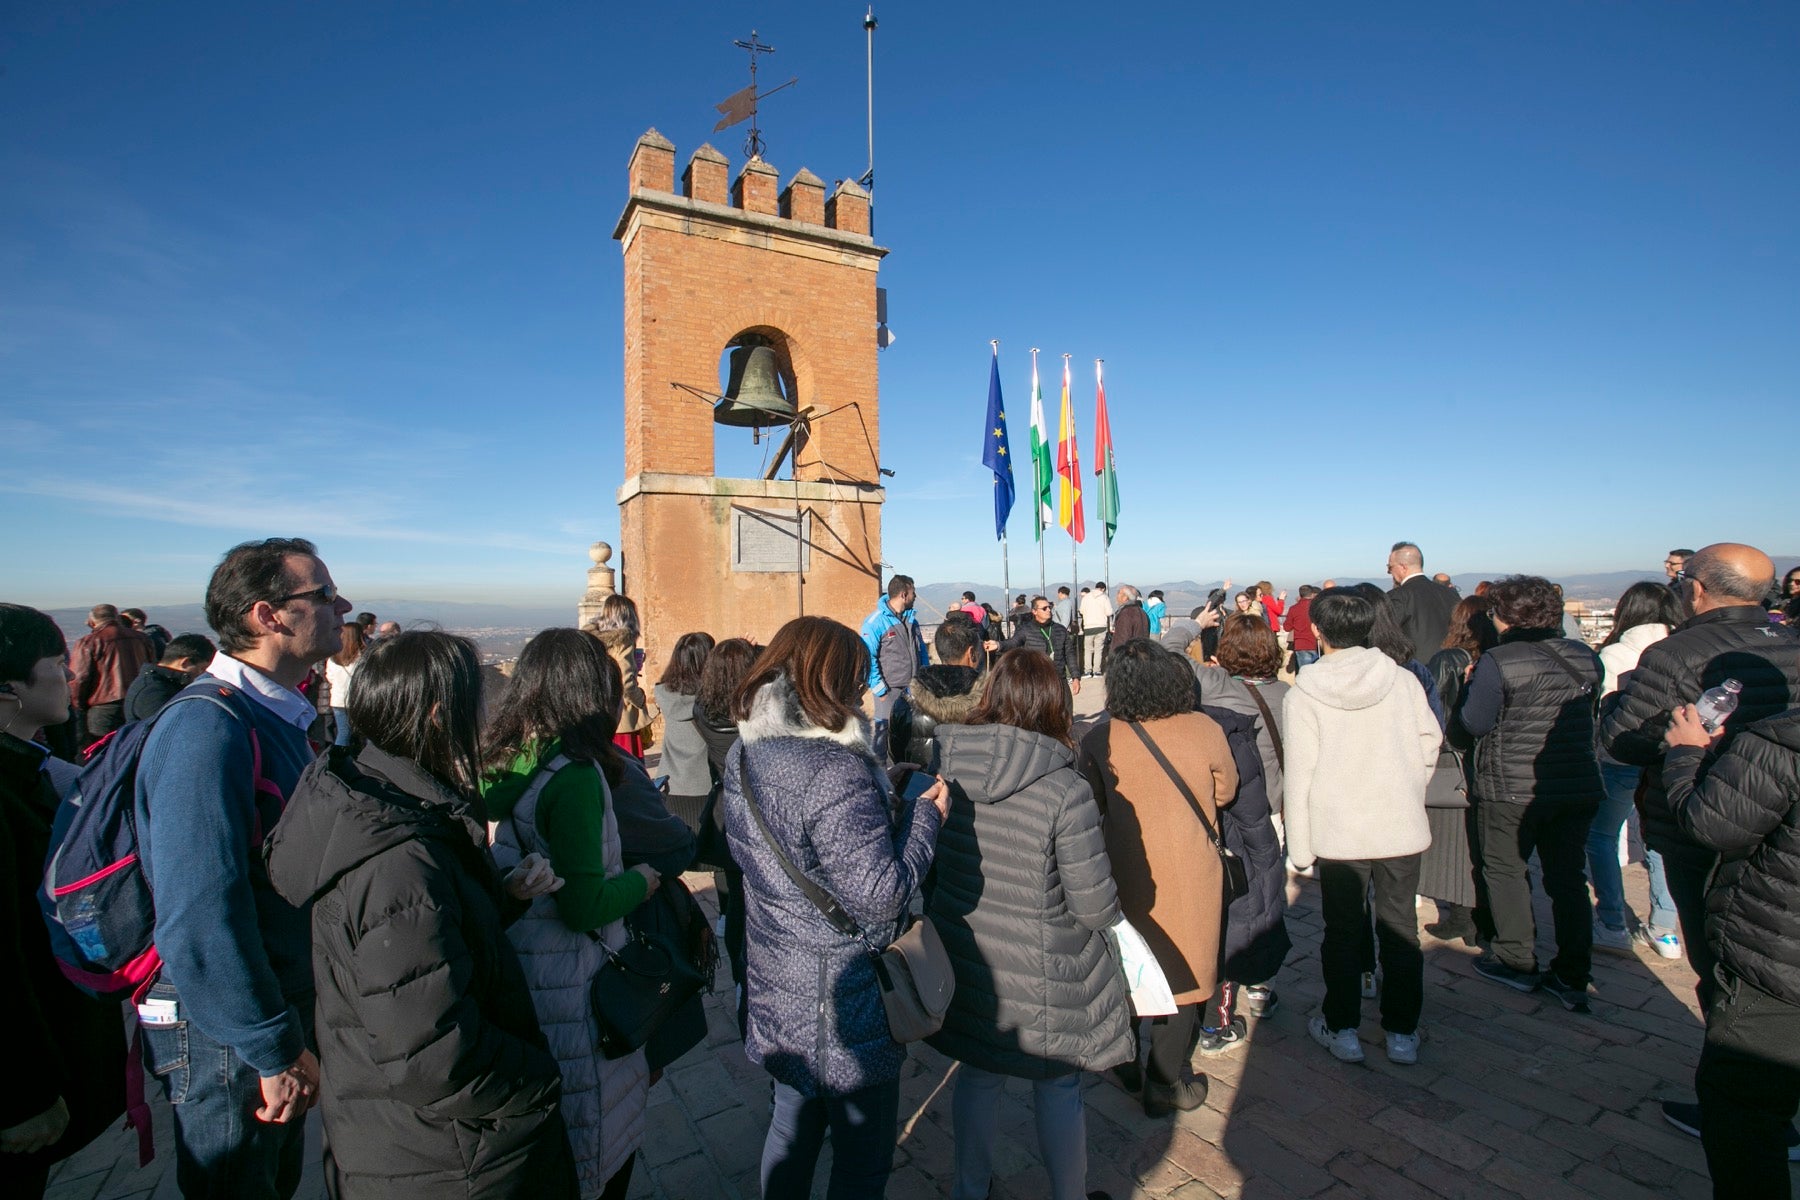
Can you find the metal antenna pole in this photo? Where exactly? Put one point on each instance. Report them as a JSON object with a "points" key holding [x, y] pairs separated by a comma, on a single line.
{"points": [[869, 25]]}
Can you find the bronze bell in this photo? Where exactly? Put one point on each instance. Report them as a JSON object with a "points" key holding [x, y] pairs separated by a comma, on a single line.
{"points": [[754, 398]]}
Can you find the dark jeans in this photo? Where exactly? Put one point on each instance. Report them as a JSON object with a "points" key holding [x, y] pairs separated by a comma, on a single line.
{"points": [[222, 1152], [1344, 892], [1749, 1085], [1172, 1040], [862, 1125], [1557, 832], [1687, 868]]}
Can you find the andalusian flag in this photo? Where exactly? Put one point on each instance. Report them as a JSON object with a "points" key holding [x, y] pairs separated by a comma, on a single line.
{"points": [[1068, 465], [1041, 470], [1103, 459]]}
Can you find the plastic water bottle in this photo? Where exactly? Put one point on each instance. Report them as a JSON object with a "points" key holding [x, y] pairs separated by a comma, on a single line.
{"points": [[1717, 704]]}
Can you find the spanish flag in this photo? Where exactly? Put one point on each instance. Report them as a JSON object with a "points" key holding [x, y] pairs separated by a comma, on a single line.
{"points": [[1068, 466]]}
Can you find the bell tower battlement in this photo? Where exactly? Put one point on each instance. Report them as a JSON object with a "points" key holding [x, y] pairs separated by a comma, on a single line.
{"points": [[712, 264], [722, 258]]}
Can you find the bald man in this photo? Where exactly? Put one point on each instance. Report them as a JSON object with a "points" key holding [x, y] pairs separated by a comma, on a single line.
{"points": [[1728, 637], [1422, 606]]}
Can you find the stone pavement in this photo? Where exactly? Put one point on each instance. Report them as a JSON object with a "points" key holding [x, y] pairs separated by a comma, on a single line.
{"points": [[1512, 1096]]}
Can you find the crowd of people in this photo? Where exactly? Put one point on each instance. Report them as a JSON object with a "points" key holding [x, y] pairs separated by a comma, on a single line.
{"points": [[386, 887]]}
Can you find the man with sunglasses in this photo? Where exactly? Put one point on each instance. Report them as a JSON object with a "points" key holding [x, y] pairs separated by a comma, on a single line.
{"points": [[227, 1027], [1045, 636]]}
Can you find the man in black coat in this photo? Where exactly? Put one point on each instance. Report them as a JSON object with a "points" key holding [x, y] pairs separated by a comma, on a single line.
{"points": [[183, 660], [1421, 604], [1743, 805], [1046, 637], [1728, 637]]}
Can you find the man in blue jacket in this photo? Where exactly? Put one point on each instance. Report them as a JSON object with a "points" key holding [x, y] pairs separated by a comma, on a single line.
{"points": [[227, 1026], [896, 650]]}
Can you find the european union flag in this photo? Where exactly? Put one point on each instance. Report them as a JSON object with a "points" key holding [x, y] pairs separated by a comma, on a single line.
{"points": [[996, 455]]}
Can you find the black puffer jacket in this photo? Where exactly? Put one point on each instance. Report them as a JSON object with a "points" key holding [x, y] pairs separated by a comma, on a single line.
{"points": [[436, 1079], [1746, 805], [1703, 651], [1256, 933], [1540, 747], [1024, 889]]}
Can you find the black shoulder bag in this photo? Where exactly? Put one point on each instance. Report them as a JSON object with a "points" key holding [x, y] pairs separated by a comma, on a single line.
{"points": [[914, 972], [1237, 877]]}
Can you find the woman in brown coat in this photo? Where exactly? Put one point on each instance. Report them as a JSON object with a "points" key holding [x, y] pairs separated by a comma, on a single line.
{"points": [[618, 630], [1171, 886]]}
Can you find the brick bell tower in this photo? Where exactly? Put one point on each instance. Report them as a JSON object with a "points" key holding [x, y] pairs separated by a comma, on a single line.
{"points": [[724, 263]]}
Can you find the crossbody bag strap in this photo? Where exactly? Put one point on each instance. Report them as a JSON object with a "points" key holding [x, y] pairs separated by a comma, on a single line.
{"points": [[1180, 783], [822, 900], [1587, 685], [1268, 723]]}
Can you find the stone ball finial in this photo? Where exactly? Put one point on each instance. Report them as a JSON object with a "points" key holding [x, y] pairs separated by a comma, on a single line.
{"points": [[599, 553]]}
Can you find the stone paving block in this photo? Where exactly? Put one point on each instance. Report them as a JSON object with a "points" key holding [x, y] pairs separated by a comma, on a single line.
{"points": [[80, 1187], [704, 1086], [1523, 1181], [1371, 1178], [1507, 1142], [667, 1135], [691, 1178], [1445, 1179], [1203, 1161], [1433, 1138], [643, 1183], [1298, 1135], [1647, 1131], [1260, 1157], [1596, 1180], [734, 1140]]}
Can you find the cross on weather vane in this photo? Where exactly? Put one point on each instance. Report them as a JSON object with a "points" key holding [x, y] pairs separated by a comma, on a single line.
{"points": [[742, 104]]}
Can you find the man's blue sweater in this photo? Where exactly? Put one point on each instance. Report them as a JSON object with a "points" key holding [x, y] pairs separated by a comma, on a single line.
{"points": [[238, 955]]}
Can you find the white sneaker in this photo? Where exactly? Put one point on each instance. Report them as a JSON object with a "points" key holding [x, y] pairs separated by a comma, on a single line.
{"points": [[1613, 941], [1666, 945], [1343, 1043], [1403, 1048]]}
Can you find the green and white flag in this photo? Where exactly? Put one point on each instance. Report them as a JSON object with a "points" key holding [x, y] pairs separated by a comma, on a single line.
{"points": [[1043, 467]]}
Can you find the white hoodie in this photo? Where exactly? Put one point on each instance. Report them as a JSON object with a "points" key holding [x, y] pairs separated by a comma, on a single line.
{"points": [[1361, 742]]}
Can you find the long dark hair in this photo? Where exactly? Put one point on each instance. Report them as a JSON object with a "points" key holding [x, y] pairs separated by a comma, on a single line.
{"points": [[825, 661], [725, 668], [565, 686], [686, 661], [1645, 604], [1471, 630], [418, 697], [1026, 691]]}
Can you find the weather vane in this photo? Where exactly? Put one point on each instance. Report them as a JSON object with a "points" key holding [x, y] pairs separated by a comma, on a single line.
{"points": [[742, 104]]}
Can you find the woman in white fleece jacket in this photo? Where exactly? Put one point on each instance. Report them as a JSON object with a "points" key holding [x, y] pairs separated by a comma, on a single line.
{"points": [[1361, 743]]}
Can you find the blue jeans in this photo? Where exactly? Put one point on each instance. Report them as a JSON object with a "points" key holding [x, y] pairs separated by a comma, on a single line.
{"points": [[862, 1125], [1603, 857], [1304, 658], [222, 1152], [1061, 1132], [342, 718]]}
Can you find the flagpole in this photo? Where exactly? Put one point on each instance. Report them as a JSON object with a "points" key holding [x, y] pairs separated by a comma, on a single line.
{"points": [[1099, 452], [1037, 507], [1074, 546]]}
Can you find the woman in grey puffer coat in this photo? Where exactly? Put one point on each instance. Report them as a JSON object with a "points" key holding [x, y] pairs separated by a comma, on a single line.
{"points": [[816, 1020], [1023, 890]]}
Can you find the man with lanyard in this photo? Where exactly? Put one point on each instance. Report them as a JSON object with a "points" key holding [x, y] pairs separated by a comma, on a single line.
{"points": [[1045, 636]]}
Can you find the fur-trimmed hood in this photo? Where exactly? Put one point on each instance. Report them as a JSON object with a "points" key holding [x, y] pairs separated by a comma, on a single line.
{"points": [[947, 694], [776, 713]]}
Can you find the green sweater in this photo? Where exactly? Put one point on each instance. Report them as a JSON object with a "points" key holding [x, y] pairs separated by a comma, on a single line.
{"points": [[571, 822]]}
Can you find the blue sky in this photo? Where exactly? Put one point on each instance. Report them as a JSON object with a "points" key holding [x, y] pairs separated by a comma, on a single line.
{"points": [[1514, 280]]}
